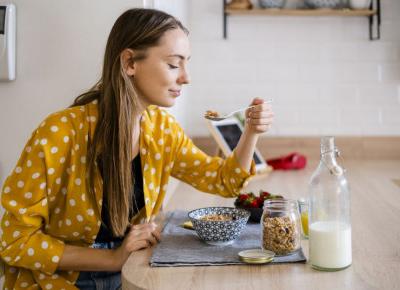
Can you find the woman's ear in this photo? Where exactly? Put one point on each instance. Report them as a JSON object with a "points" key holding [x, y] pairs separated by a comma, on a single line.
{"points": [[127, 61]]}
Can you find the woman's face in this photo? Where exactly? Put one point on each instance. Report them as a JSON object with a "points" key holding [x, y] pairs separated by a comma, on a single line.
{"points": [[159, 77]]}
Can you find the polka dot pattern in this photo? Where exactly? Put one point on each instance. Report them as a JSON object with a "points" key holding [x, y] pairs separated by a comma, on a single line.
{"points": [[54, 128], [49, 184]]}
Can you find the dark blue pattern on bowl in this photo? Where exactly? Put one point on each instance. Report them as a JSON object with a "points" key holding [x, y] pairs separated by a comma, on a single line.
{"points": [[219, 232]]}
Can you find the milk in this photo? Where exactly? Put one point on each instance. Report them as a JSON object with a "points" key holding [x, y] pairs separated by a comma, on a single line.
{"points": [[330, 245]]}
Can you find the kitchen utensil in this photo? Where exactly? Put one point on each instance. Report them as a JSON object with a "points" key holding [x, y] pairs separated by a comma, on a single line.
{"points": [[220, 118]]}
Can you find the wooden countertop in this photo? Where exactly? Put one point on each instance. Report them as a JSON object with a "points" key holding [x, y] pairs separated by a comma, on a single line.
{"points": [[375, 230]]}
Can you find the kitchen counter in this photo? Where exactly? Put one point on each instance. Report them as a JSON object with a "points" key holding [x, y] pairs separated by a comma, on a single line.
{"points": [[375, 238]]}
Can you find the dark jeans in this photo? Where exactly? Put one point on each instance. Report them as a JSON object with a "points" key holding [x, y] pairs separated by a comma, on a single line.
{"points": [[100, 280]]}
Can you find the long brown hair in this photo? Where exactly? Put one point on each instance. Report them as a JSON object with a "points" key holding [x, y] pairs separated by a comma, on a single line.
{"points": [[136, 29]]}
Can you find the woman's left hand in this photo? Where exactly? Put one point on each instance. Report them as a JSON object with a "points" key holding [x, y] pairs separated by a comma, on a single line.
{"points": [[259, 118]]}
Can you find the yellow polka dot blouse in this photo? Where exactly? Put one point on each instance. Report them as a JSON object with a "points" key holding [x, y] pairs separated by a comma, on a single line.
{"points": [[46, 198]]}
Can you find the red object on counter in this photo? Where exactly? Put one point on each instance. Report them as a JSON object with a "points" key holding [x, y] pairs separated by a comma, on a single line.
{"points": [[292, 161]]}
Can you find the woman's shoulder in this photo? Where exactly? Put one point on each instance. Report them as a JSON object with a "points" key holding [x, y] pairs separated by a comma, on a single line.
{"points": [[68, 120], [74, 114]]}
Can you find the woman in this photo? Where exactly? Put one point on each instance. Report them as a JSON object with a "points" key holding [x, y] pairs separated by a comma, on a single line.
{"points": [[91, 172]]}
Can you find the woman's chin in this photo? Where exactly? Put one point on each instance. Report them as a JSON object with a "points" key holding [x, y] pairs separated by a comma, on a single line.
{"points": [[167, 103]]}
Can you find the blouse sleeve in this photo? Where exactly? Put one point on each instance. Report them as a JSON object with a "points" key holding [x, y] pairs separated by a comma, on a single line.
{"points": [[224, 177], [24, 242]]}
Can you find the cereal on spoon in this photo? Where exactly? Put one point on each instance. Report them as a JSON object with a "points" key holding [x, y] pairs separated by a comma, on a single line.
{"points": [[211, 114]]}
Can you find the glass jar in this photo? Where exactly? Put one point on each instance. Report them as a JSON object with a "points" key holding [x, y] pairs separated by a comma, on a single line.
{"points": [[303, 207], [329, 213], [280, 226]]}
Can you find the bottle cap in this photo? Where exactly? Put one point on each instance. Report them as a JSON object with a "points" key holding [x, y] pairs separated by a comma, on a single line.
{"points": [[256, 256]]}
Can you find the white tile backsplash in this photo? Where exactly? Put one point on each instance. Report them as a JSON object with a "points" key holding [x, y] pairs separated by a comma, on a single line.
{"points": [[379, 95], [339, 95], [390, 72], [391, 116], [323, 72]]}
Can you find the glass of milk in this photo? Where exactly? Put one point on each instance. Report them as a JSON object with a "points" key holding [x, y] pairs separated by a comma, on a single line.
{"points": [[329, 213]]}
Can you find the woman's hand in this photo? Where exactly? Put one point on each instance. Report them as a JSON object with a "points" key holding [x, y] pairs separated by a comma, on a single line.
{"points": [[259, 119], [139, 237]]}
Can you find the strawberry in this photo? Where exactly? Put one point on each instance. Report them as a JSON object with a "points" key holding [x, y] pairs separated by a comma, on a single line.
{"points": [[264, 193], [243, 197], [248, 201], [254, 203], [260, 201]]}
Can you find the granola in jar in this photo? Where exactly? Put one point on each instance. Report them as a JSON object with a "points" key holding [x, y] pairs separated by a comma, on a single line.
{"points": [[281, 228]]}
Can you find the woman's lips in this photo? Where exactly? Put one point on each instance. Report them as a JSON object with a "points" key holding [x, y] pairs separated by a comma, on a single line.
{"points": [[175, 93]]}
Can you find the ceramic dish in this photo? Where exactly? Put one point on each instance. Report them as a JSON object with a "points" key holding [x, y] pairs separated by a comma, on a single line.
{"points": [[322, 3], [272, 3], [219, 232]]}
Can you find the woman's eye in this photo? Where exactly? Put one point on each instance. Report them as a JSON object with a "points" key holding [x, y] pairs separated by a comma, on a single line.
{"points": [[172, 66]]}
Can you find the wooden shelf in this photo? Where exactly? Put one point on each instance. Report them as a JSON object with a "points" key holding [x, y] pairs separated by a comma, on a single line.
{"points": [[301, 12], [373, 14]]}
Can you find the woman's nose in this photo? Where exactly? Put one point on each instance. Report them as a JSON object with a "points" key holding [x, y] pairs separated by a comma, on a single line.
{"points": [[184, 78]]}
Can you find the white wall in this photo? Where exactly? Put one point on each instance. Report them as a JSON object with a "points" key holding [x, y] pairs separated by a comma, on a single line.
{"points": [[179, 9], [60, 47], [324, 74]]}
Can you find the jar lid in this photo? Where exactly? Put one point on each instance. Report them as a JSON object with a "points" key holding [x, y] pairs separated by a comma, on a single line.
{"points": [[256, 256]]}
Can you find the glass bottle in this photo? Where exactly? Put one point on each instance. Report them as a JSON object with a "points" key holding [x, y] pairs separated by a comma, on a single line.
{"points": [[329, 213], [280, 226]]}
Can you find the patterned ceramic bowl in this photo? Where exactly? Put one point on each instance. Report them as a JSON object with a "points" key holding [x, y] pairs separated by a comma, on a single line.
{"points": [[219, 225], [272, 3], [323, 3]]}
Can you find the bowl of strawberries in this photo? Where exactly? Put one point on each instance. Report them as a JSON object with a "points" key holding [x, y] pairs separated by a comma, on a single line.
{"points": [[254, 204]]}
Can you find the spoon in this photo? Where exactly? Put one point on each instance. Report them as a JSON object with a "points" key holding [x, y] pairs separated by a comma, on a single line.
{"points": [[214, 116]]}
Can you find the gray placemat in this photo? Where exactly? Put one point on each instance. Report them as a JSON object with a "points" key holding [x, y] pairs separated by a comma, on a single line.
{"points": [[182, 247]]}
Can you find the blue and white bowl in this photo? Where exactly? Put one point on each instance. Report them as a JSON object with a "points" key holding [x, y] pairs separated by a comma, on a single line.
{"points": [[323, 3], [272, 3], [219, 233]]}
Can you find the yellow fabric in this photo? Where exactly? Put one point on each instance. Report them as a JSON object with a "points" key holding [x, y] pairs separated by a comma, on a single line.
{"points": [[46, 198]]}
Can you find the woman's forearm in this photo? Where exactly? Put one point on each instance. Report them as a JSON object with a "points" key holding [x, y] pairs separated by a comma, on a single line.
{"points": [[245, 149], [259, 118], [88, 259], [139, 237]]}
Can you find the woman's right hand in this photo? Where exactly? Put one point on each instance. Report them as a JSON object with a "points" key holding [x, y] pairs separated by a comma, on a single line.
{"points": [[139, 237]]}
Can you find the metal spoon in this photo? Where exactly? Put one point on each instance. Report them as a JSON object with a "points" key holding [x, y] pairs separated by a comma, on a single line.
{"points": [[220, 118]]}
